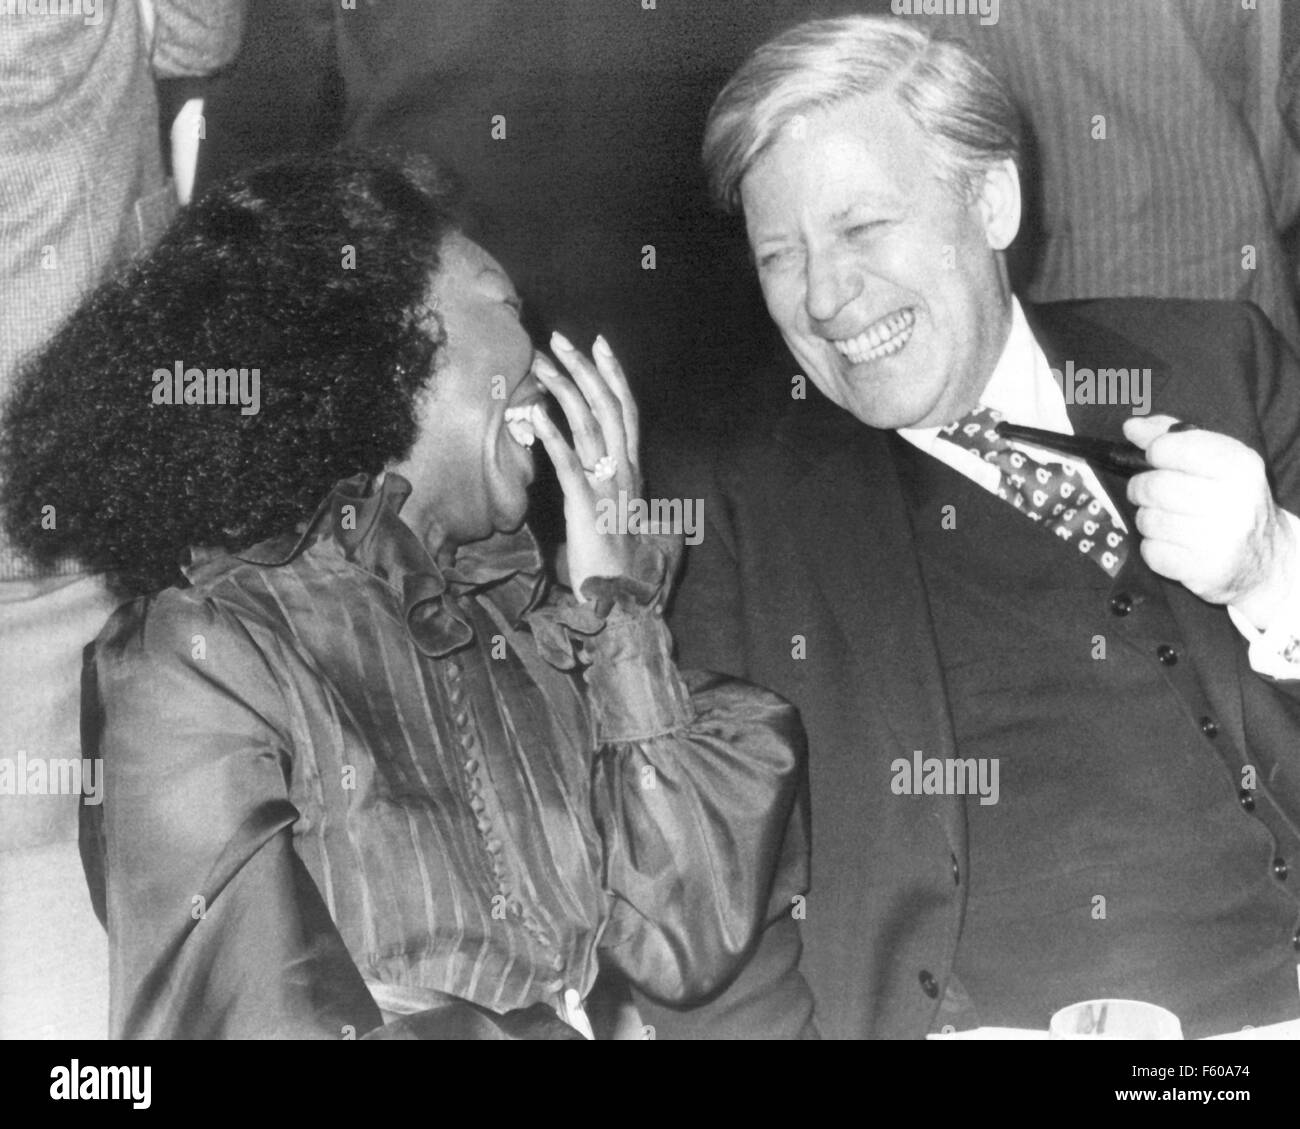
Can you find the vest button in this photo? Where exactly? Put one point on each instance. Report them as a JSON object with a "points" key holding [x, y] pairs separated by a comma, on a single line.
{"points": [[929, 985], [1121, 603], [1279, 869], [1296, 940], [956, 872], [1166, 654], [1209, 727], [1247, 800]]}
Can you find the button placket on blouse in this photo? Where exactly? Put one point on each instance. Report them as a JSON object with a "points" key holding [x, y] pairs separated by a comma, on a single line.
{"points": [[467, 735]]}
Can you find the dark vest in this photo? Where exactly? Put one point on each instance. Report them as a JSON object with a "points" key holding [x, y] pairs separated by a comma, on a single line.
{"points": [[1123, 857]]}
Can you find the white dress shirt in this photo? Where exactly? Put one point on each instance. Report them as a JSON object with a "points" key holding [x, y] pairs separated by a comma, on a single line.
{"points": [[1023, 391]]}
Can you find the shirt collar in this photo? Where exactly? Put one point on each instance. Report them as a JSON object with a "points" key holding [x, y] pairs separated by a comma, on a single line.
{"points": [[1021, 388], [363, 522]]}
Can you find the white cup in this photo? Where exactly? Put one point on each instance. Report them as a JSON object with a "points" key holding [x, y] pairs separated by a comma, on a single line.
{"points": [[1114, 1019]]}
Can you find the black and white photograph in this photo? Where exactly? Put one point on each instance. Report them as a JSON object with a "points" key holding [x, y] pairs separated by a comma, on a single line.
{"points": [[663, 521]]}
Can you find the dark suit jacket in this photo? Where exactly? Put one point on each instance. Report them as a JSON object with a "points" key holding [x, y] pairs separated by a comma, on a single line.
{"points": [[807, 538]]}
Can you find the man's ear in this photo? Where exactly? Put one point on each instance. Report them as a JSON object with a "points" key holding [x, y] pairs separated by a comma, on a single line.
{"points": [[999, 204]]}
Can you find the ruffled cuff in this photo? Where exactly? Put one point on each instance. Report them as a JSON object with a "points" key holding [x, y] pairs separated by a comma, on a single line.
{"points": [[620, 636]]}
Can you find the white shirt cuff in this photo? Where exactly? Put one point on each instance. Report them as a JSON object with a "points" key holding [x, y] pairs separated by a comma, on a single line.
{"points": [[1275, 651]]}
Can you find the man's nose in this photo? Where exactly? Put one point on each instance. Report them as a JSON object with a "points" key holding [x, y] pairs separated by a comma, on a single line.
{"points": [[833, 281]]}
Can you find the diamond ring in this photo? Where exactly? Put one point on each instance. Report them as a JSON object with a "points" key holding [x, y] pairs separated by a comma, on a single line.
{"points": [[604, 469]]}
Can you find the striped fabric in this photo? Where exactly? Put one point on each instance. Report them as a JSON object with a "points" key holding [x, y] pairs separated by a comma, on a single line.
{"points": [[465, 816], [1198, 161]]}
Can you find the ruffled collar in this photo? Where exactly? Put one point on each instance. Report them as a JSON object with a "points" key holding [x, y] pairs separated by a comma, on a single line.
{"points": [[364, 523]]}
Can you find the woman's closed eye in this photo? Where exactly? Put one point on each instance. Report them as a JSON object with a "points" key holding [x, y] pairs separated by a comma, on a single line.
{"points": [[777, 256]]}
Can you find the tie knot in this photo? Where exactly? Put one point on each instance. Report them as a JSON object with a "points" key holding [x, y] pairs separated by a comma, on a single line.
{"points": [[1048, 493], [977, 432]]}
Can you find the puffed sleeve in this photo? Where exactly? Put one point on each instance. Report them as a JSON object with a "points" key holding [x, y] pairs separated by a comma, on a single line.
{"points": [[216, 929], [694, 780]]}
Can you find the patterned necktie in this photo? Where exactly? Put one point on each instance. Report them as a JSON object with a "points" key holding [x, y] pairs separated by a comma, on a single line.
{"points": [[1049, 493]]}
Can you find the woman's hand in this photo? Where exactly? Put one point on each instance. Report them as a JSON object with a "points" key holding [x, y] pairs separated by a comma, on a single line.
{"points": [[601, 464]]}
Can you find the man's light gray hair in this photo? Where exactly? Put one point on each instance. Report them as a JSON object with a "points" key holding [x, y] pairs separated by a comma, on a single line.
{"points": [[948, 93]]}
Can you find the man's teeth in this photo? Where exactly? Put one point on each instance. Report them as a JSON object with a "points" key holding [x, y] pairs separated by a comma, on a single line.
{"points": [[520, 423], [882, 339]]}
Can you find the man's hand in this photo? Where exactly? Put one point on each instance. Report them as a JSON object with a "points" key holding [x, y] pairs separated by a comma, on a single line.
{"points": [[1208, 519]]}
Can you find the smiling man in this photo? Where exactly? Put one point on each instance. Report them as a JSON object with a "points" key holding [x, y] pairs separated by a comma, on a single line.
{"points": [[1123, 652]]}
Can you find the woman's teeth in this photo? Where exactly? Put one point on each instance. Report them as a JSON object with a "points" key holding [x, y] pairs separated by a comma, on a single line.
{"points": [[520, 422], [882, 339]]}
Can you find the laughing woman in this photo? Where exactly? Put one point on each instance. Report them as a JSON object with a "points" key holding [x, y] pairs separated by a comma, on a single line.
{"points": [[363, 766]]}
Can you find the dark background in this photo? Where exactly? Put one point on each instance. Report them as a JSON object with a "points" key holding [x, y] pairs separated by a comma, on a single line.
{"points": [[604, 104]]}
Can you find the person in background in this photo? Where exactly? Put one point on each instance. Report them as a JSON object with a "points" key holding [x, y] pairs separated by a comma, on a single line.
{"points": [[82, 189], [1162, 148]]}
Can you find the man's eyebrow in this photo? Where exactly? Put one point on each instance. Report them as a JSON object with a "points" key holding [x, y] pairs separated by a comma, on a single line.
{"points": [[869, 202], [872, 201]]}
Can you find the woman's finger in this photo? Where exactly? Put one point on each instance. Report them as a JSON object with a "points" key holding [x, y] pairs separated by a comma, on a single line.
{"points": [[568, 466], [588, 439], [616, 379], [600, 399]]}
